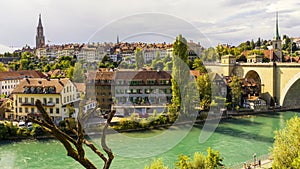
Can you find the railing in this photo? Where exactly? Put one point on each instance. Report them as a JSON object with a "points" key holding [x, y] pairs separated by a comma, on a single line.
{"points": [[250, 161]]}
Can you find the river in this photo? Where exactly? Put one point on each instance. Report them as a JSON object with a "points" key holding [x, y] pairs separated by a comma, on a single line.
{"points": [[236, 139]]}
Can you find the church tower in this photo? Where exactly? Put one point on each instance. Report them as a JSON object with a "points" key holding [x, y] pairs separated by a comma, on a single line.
{"points": [[276, 43], [40, 38]]}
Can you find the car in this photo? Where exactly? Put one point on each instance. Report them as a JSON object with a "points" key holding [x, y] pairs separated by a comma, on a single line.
{"points": [[21, 124]]}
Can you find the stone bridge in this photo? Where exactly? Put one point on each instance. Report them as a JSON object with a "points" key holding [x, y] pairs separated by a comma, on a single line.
{"points": [[280, 81]]}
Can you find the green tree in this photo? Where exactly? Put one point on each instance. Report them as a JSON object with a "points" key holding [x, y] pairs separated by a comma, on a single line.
{"points": [[180, 73], [70, 72], [198, 65], [286, 147], [139, 59], [213, 159], [235, 90], [204, 88], [2, 67], [156, 164], [78, 75]]}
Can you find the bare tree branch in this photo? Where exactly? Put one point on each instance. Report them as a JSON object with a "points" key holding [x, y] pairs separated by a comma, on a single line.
{"points": [[70, 143]]}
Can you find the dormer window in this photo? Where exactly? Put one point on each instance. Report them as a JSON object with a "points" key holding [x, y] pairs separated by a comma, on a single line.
{"points": [[32, 90], [38, 89], [26, 90]]}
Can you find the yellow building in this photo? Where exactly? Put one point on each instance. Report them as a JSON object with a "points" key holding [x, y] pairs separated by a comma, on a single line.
{"points": [[55, 94]]}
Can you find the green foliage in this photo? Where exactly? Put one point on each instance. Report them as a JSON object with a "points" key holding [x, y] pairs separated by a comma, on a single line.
{"points": [[183, 162], [286, 147], [181, 76], [156, 164], [257, 52], [296, 162], [199, 161], [180, 48], [2, 67], [204, 88], [210, 54], [139, 59], [213, 159], [78, 73], [235, 89], [198, 65]]}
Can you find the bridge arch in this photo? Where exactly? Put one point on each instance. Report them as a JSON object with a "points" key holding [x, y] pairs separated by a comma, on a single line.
{"points": [[254, 75], [290, 95]]}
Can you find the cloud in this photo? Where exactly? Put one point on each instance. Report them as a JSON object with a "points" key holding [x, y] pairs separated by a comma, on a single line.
{"points": [[75, 21], [4, 49]]}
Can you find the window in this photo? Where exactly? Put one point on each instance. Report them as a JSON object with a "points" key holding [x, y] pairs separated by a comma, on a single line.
{"points": [[51, 110], [32, 110], [20, 99], [50, 100], [32, 101], [57, 110], [64, 99], [26, 109], [20, 110], [45, 100], [26, 100], [57, 100]]}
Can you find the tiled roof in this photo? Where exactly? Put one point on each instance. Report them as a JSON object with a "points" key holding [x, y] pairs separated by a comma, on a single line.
{"points": [[59, 84], [20, 74], [81, 87]]}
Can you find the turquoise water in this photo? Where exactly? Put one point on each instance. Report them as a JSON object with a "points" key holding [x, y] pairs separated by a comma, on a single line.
{"points": [[236, 139]]}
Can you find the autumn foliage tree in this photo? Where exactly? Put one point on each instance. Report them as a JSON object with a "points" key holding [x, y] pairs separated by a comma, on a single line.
{"points": [[286, 147]]}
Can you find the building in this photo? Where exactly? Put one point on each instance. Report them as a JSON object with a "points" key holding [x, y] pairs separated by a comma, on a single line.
{"points": [[55, 94], [40, 38], [9, 80], [98, 87], [6, 109]]}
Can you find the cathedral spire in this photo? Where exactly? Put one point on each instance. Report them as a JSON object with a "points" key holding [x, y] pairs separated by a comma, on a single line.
{"points": [[40, 38], [277, 36], [40, 21]]}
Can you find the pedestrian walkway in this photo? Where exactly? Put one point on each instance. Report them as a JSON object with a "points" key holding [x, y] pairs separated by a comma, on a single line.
{"points": [[266, 164]]}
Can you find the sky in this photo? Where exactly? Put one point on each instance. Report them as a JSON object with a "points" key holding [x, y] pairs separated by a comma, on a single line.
{"points": [[208, 22]]}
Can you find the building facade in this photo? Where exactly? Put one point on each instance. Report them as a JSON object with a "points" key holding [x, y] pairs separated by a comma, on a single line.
{"points": [[9, 80], [55, 95]]}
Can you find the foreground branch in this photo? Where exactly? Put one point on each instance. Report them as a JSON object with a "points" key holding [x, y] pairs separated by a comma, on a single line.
{"points": [[74, 147]]}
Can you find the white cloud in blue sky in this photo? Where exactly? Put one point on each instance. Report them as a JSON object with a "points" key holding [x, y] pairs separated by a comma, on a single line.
{"points": [[221, 21]]}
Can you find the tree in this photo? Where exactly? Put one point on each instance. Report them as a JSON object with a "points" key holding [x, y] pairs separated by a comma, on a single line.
{"points": [[78, 74], [198, 65], [204, 88], [286, 147], [156, 164], [74, 147], [2, 67], [200, 161], [180, 73], [235, 90], [139, 58], [213, 159]]}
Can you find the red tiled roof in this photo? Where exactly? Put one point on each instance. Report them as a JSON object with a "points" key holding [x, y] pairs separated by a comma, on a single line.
{"points": [[59, 84], [20, 74]]}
